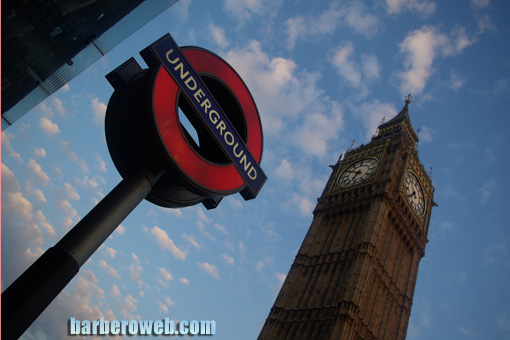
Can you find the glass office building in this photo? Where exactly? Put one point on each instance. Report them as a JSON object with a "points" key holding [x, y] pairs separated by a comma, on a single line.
{"points": [[46, 43]]}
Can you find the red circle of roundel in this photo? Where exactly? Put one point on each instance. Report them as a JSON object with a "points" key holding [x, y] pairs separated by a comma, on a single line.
{"points": [[165, 96]]}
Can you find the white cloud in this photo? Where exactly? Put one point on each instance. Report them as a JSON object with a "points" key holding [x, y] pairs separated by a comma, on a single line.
{"points": [[48, 126], [285, 97], [285, 170], [218, 34], [173, 211], [184, 281], [167, 302], [270, 232], [9, 182], [456, 81], [495, 254], [192, 239], [36, 170], [100, 165], [422, 7], [73, 156], [127, 307], [39, 152], [57, 102], [296, 28], [480, 3], [6, 147], [39, 195], [135, 272], [81, 299], [490, 155], [69, 213], [457, 278], [426, 134], [24, 228], [115, 291], [303, 203], [467, 332], [120, 230], [244, 9], [109, 269], [90, 183], [110, 252], [413, 331], [163, 308], [421, 47], [357, 74], [271, 81], [242, 247], [280, 91], [71, 192], [371, 115], [486, 190], [228, 259], [203, 229], [235, 203], [503, 322], [221, 229], [484, 23], [202, 216], [164, 277], [501, 87], [458, 42], [370, 66], [425, 316], [318, 129], [352, 14], [181, 9], [210, 269], [98, 111], [166, 243], [445, 227], [357, 18], [32, 256], [281, 278], [345, 66], [266, 260]]}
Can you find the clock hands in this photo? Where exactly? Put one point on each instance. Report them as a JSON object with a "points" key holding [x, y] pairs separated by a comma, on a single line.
{"points": [[356, 173], [414, 193]]}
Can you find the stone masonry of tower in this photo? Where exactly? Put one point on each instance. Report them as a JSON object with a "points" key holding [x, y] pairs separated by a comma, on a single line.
{"points": [[355, 273]]}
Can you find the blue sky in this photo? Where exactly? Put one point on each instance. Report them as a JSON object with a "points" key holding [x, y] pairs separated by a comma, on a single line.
{"points": [[323, 74]]}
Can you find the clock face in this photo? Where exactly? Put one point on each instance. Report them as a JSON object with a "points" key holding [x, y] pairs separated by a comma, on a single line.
{"points": [[414, 193], [357, 172]]}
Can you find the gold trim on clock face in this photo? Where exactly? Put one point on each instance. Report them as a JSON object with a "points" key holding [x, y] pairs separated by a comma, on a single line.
{"points": [[414, 193], [357, 172]]}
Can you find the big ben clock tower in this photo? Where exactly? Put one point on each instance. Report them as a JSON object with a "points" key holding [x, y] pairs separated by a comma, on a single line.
{"points": [[355, 273]]}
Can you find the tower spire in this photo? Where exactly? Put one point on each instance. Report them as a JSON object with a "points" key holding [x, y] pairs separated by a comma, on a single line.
{"points": [[398, 125], [409, 99], [405, 109]]}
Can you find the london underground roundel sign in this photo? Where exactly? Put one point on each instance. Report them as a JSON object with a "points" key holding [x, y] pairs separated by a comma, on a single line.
{"points": [[145, 131]]}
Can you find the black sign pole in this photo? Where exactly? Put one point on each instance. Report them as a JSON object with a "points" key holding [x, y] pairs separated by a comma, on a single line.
{"points": [[27, 297]]}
